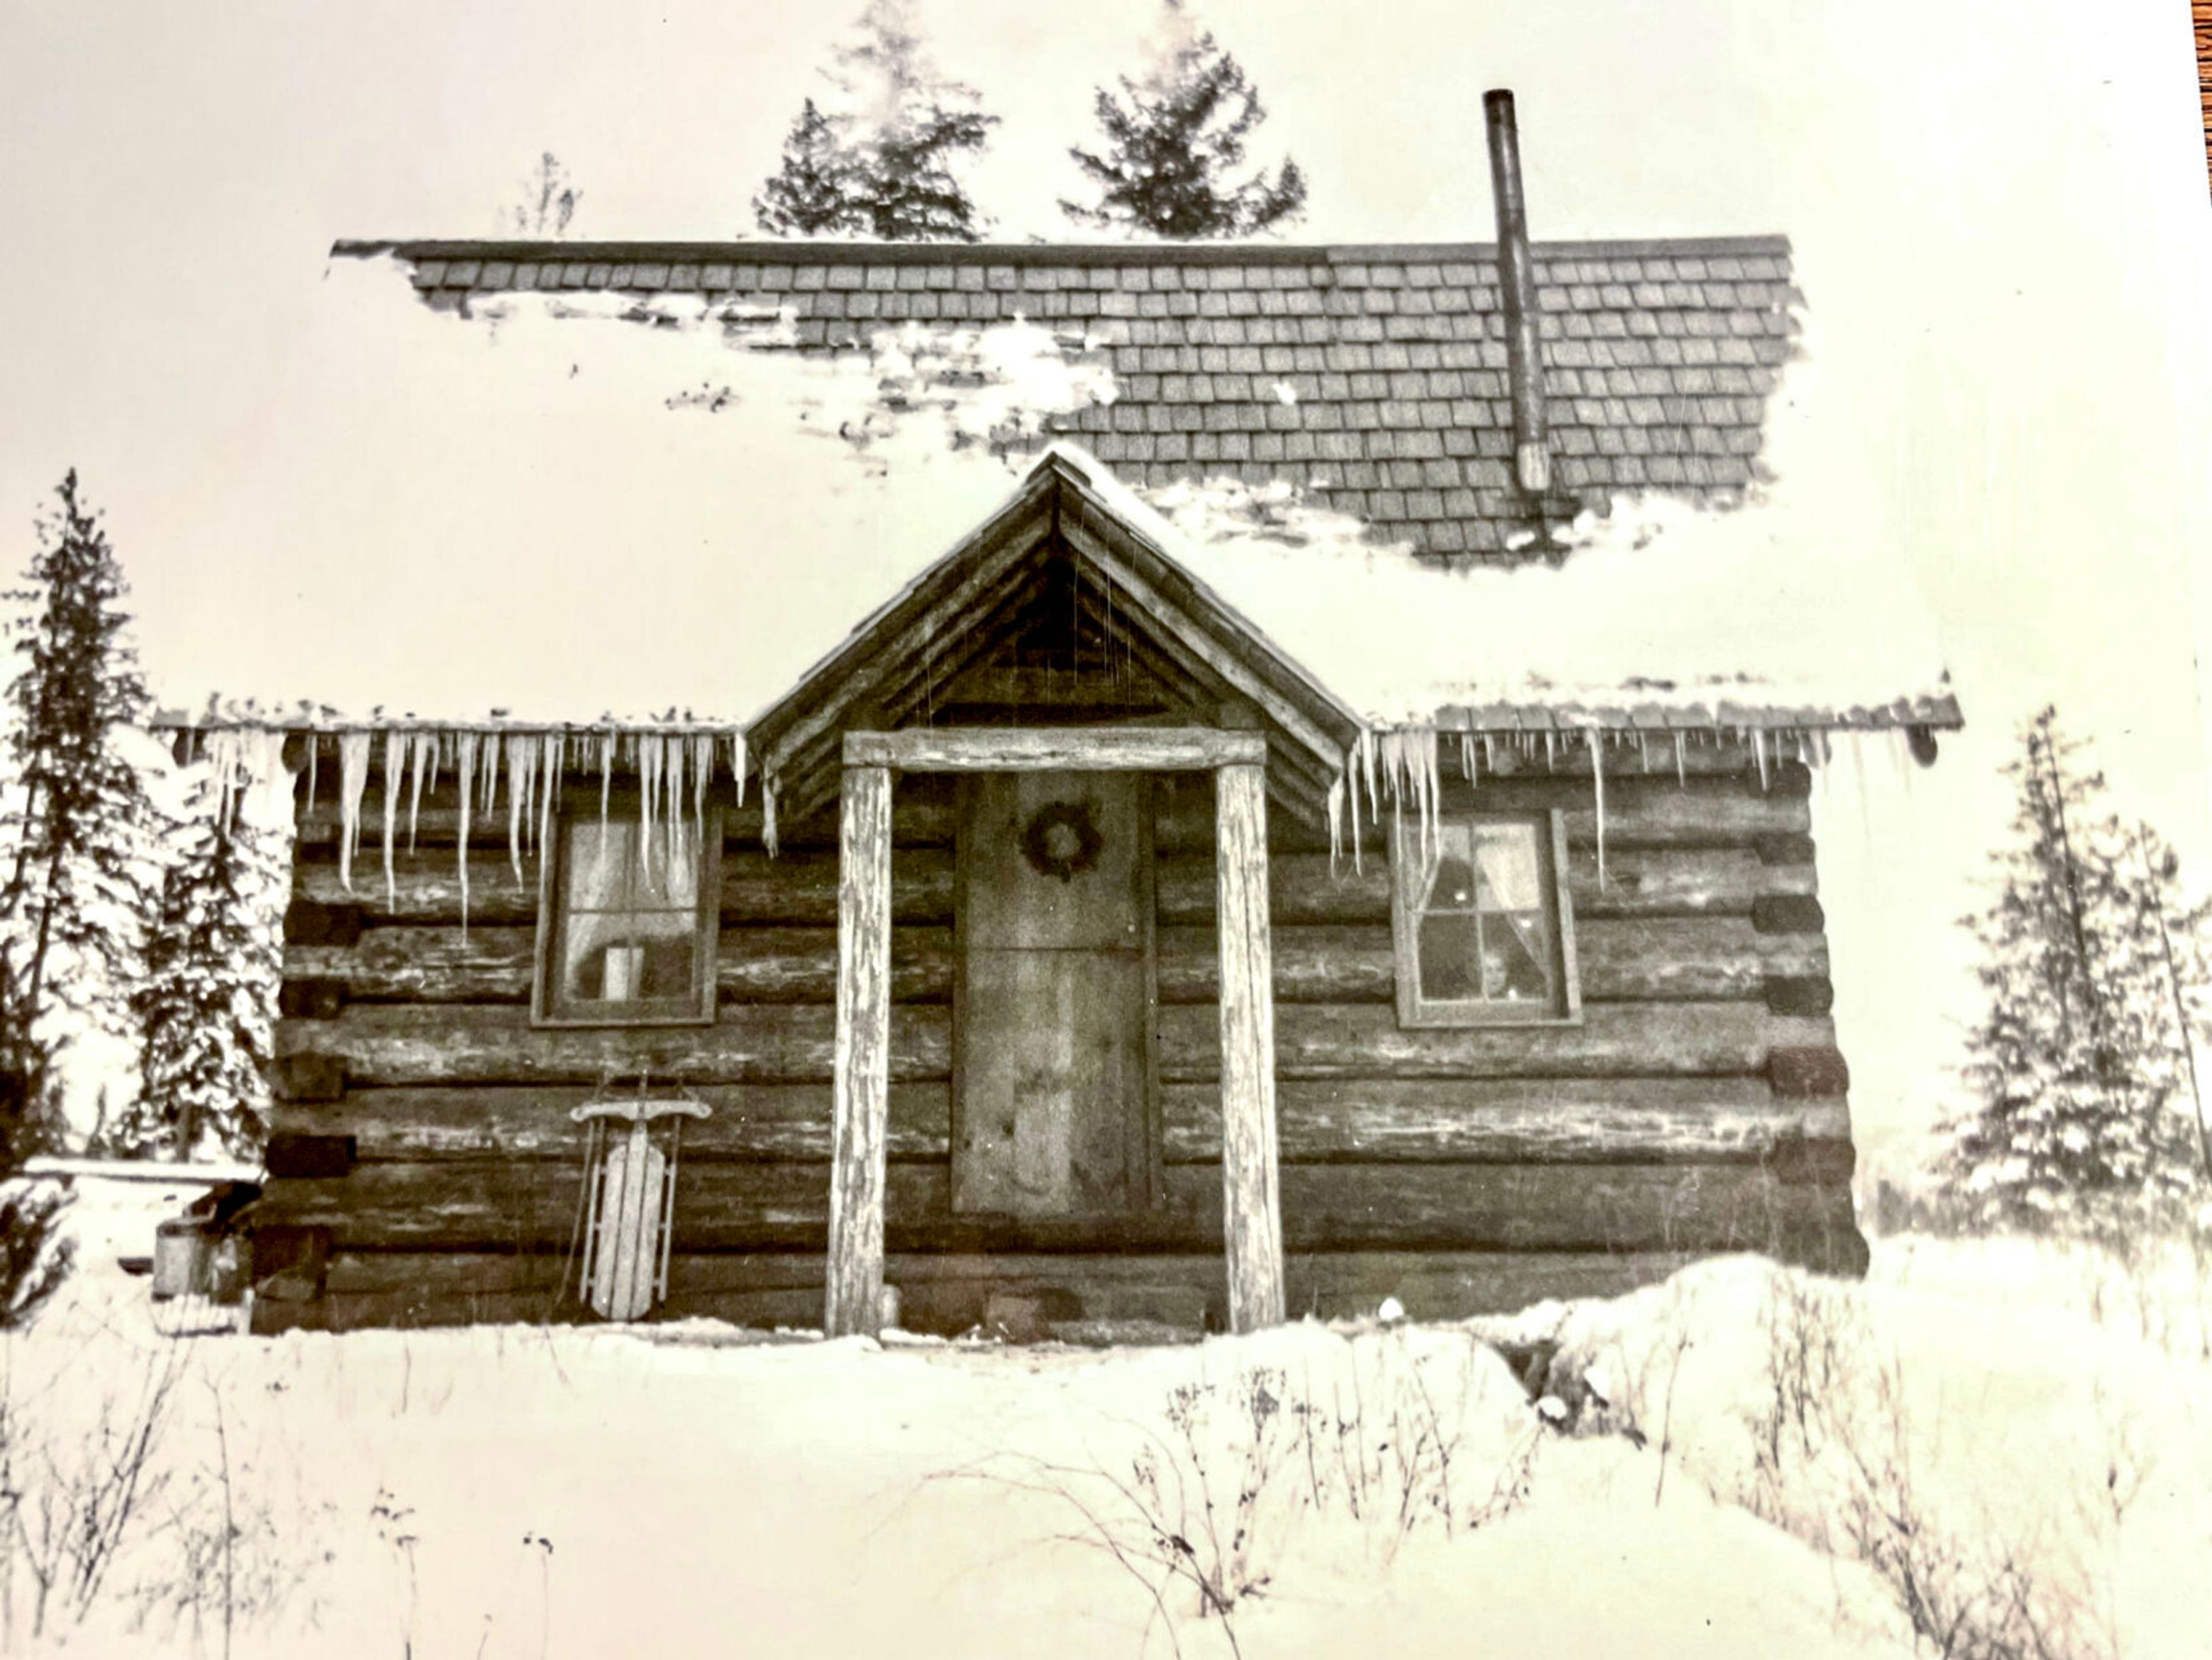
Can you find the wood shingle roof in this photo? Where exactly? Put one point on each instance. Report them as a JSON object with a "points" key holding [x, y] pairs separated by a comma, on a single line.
{"points": [[1375, 373]]}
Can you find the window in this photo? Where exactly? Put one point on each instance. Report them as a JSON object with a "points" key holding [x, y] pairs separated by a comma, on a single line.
{"points": [[1481, 918], [627, 921]]}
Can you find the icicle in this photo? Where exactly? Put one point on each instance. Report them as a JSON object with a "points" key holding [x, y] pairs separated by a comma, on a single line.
{"points": [[1466, 761], [1336, 823], [737, 764], [768, 814], [556, 745], [422, 749], [1759, 748], [1596, 741], [465, 765], [395, 763], [703, 773], [1681, 763], [353, 780], [521, 771], [648, 781], [314, 754]]}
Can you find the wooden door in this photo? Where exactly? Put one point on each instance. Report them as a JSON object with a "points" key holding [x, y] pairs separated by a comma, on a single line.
{"points": [[1054, 1093]]}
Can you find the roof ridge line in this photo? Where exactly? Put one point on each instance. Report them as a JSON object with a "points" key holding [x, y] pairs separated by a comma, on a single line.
{"points": [[1039, 254]]}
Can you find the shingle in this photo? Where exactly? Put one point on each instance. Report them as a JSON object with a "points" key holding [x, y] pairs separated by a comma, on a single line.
{"points": [[866, 303]]}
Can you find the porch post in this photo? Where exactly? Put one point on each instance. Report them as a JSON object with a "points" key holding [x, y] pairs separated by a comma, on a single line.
{"points": [[1252, 1223], [861, 1088]]}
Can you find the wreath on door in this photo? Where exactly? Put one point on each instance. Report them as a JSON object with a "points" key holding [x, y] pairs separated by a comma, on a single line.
{"points": [[1061, 840]]}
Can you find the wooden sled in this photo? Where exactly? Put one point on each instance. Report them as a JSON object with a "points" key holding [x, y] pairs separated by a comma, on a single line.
{"points": [[629, 1201]]}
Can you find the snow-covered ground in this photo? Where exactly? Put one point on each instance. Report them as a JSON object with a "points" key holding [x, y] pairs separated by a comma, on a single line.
{"points": [[688, 1490]]}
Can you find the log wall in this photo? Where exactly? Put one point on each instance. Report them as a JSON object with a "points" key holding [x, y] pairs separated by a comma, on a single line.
{"points": [[1698, 1105]]}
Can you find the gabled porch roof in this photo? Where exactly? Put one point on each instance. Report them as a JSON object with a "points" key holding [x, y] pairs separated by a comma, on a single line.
{"points": [[1061, 525]]}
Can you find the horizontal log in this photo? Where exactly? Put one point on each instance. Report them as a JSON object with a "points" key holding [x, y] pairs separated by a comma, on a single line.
{"points": [[1641, 811], [1338, 1040], [948, 1293], [1675, 882], [399, 1044], [1621, 959], [1535, 1121], [747, 1121], [923, 814], [798, 888], [488, 1204], [1055, 749], [402, 963]]}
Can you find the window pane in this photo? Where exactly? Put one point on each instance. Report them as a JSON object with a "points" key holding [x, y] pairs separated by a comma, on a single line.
{"points": [[606, 871], [1516, 935], [1447, 864], [1449, 956], [620, 957]]}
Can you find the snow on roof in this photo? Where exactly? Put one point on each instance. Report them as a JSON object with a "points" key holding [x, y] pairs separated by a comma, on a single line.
{"points": [[565, 506]]}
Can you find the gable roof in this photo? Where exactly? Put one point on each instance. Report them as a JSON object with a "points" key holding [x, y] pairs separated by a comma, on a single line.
{"points": [[1141, 601], [1373, 376]]}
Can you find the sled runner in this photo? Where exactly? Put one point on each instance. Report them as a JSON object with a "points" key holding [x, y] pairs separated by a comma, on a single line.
{"points": [[629, 1200]]}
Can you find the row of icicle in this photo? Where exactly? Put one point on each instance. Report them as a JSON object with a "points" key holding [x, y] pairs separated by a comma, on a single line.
{"points": [[1402, 761], [674, 770]]}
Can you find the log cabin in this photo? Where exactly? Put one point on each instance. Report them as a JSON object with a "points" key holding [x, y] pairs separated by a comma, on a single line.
{"points": [[1093, 939]]}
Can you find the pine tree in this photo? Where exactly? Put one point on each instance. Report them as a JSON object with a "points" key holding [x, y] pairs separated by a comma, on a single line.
{"points": [[1173, 148], [883, 162], [2081, 1063], [205, 1003], [807, 195]]}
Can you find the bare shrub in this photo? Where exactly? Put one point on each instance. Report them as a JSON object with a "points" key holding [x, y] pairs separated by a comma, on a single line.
{"points": [[1835, 1461], [1205, 1509]]}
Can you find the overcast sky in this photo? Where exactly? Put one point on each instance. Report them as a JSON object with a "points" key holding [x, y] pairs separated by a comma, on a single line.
{"points": [[1999, 212]]}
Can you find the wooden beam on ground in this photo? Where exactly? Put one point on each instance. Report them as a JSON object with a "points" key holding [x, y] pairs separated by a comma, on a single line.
{"points": [[860, 1077], [1055, 749], [1252, 1214]]}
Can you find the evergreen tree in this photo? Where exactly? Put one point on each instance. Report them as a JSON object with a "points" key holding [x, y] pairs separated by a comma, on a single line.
{"points": [[808, 195], [205, 1002], [1173, 149], [2081, 1065], [882, 163]]}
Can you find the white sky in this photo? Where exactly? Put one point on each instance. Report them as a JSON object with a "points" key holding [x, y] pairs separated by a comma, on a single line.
{"points": [[2000, 212]]}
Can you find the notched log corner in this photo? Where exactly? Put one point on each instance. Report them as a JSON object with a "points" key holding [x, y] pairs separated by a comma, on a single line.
{"points": [[297, 1153], [298, 1079], [1787, 913], [1808, 1073], [290, 1264], [311, 999], [1799, 994], [313, 922]]}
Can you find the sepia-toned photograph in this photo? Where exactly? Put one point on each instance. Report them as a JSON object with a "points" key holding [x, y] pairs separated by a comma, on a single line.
{"points": [[1176, 830]]}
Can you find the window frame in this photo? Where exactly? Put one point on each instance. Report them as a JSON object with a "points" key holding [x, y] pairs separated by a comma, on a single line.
{"points": [[698, 1009], [1414, 1010]]}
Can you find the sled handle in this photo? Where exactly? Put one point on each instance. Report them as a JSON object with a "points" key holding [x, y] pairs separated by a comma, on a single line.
{"points": [[640, 1112]]}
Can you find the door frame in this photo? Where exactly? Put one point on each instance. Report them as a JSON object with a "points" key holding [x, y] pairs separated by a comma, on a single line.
{"points": [[1252, 1232]]}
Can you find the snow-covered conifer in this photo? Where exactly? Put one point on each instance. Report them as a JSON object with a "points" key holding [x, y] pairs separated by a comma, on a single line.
{"points": [[2082, 1064], [73, 867], [1175, 143], [207, 998], [880, 160]]}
